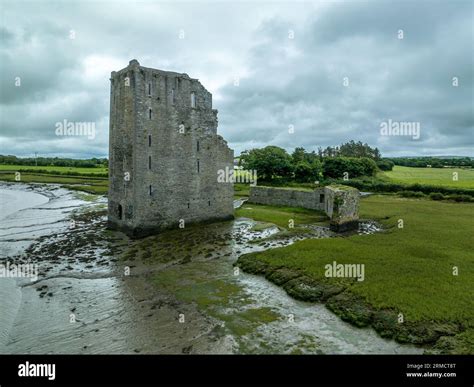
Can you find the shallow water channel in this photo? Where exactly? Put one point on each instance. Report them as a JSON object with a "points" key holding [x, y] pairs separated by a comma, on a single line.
{"points": [[182, 293]]}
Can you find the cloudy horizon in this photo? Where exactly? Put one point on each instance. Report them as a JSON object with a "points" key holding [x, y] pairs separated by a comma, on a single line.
{"points": [[311, 74]]}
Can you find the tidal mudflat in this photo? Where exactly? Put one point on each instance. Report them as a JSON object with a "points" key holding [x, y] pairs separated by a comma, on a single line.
{"points": [[178, 292]]}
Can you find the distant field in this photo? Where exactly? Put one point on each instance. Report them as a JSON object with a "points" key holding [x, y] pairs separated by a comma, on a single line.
{"points": [[61, 170], [430, 176], [78, 179]]}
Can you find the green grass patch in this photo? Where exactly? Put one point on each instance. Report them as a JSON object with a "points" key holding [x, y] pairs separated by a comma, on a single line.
{"points": [[241, 190], [55, 169], [246, 321], [430, 176], [280, 216], [90, 180], [215, 296], [407, 269], [90, 184]]}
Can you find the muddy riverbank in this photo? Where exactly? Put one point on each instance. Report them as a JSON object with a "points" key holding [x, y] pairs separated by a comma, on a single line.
{"points": [[177, 292], [353, 309], [82, 302]]}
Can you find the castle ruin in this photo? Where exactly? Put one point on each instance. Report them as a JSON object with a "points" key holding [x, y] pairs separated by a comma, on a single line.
{"points": [[164, 153], [339, 202]]}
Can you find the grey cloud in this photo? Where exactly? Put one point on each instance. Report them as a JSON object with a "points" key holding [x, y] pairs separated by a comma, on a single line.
{"points": [[282, 81], [404, 80]]}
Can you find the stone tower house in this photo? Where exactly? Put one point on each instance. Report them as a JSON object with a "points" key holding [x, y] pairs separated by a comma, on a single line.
{"points": [[164, 153]]}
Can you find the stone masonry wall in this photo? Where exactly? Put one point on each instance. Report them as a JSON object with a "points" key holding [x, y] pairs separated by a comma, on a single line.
{"points": [[340, 203], [342, 206], [287, 197], [170, 148]]}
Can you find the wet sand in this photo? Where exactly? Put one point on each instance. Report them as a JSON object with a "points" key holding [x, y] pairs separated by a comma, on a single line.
{"points": [[82, 302], [181, 294]]}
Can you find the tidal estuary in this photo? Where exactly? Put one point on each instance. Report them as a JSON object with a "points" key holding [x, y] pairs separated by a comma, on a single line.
{"points": [[178, 292]]}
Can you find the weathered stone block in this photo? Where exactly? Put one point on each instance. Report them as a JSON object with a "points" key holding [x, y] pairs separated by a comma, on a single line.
{"points": [[339, 202], [164, 153], [342, 207], [288, 197]]}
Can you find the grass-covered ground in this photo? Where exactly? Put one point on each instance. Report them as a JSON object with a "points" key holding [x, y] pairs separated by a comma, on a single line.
{"points": [[241, 190], [430, 176], [55, 169], [408, 270], [280, 216], [85, 183]]}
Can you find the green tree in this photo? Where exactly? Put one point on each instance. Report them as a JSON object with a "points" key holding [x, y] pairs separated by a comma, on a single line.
{"points": [[336, 167], [298, 155], [358, 149], [303, 172], [385, 165], [269, 162]]}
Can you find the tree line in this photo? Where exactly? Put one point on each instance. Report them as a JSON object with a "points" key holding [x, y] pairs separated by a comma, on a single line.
{"points": [[54, 161], [433, 162], [351, 159]]}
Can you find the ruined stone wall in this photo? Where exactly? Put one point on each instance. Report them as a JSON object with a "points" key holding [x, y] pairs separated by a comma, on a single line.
{"points": [[340, 203], [121, 148], [313, 200], [175, 149], [342, 206]]}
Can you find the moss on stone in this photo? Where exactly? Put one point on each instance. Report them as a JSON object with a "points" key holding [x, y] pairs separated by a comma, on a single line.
{"points": [[342, 187]]}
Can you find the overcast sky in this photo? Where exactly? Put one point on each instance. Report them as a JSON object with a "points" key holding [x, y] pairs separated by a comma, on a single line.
{"points": [[281, 73]]}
